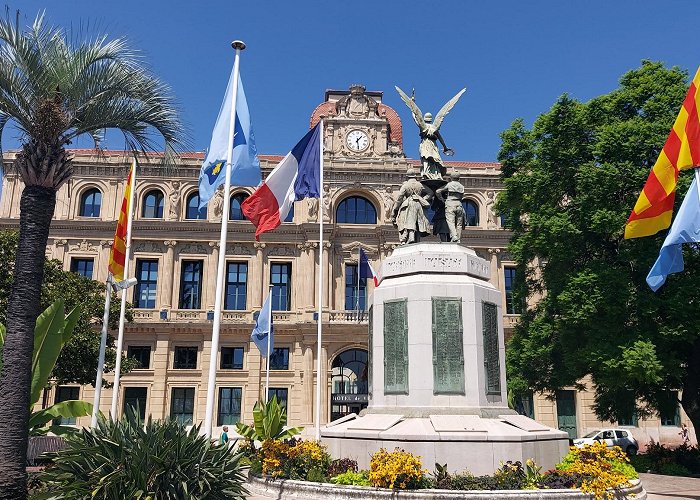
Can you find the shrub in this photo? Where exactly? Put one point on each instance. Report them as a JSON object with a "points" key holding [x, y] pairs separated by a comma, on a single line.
{"points": [[555, 479], [269, 421], [642, 463], [316, 475], [396, 469], [340, 466], [470, 482], [352, 478], [130, 459], [672, 469], [595, 462], [292, 459]]}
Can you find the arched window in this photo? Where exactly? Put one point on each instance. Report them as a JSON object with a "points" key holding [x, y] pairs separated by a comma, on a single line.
{"points": [[290, 215], [193, 210], [153, 205], [235, 212], [471, 210], [356, 210], [349, 383], [90, 203]]}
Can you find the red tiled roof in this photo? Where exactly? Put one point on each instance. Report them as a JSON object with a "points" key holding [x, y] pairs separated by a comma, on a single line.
{"points": [[325, 108]]}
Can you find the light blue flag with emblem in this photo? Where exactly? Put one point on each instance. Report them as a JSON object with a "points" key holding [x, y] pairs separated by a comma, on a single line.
{"points": [[685, 229], [245, 166], [263, 328]]}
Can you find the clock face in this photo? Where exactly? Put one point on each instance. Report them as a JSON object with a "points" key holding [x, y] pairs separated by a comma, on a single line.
{"points": [[357, 140]]}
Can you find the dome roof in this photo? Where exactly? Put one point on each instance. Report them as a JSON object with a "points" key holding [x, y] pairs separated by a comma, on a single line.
{"points": [[395, 129]]}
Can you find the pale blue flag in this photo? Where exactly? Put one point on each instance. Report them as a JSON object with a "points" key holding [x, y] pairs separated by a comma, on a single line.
{"points": [[685, 229], [245, 166], [263, 328]]}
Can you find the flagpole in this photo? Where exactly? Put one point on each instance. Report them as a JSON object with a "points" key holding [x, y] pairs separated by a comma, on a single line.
{"points": [[211, 386], [120, 337], [319, 321], [269, 337], [101, 358]]}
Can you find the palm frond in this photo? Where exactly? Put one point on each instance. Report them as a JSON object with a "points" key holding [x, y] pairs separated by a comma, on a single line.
{"points": [[56, 89]]}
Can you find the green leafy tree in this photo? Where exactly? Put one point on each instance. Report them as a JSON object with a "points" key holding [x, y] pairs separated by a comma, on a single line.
{"points": [[78, 360], [54, 88], [570, 184]]}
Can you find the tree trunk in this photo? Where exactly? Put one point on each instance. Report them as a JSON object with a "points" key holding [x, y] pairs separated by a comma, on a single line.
{"points": [[36, 210], [690, 400]]}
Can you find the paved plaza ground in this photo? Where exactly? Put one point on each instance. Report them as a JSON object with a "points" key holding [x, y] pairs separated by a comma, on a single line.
{"points": [[658, 487]]}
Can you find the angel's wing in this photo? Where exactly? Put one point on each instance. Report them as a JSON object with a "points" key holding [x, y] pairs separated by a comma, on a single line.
{"points": [[417, 113], [446, 108]]}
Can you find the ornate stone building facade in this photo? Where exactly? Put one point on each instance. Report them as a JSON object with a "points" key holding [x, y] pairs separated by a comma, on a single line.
{"points": [[176, 248]]}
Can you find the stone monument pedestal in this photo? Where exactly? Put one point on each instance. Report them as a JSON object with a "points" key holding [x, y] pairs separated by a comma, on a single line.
{"points": [[437, 381]]}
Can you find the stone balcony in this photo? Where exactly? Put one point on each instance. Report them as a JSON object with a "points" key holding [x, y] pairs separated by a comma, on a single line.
{"points": [[245, 317]]}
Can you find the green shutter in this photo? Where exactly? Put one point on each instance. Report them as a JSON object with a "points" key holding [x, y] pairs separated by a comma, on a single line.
{"points": [[448, 346], [492, 364], [396, 347]]}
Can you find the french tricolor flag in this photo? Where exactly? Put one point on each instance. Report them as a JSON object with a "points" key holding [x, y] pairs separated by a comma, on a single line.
{"points": [[366, 270], [296, 177]]}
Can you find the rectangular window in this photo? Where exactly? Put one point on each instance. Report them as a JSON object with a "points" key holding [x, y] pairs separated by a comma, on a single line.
{"points": [[354, 299], [191, 284], [279, 359], [629, 417], [281, 395], [525, 405], [65, 393], [82, 266], [229, 405], [236, 280], [142, 354], [182, 405], [280, 279], [185, 358], [512, 306], [135, 397], [145, 289], [231, 358], [669, 410]]}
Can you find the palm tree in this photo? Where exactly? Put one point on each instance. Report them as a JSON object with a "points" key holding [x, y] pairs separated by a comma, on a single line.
{"points": [[54, 89]]}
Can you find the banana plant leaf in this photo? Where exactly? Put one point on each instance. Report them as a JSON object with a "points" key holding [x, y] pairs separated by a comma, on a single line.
{"points": [[68, 409]]}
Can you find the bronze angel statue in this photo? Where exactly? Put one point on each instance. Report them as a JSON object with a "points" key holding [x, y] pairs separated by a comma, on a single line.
{"points": [[432, 167]]}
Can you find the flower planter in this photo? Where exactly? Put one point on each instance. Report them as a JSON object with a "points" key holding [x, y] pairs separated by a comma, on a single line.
{"points": [[287, 488]]}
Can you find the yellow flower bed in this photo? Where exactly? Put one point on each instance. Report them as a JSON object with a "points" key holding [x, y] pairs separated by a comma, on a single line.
{"points": [[597, 463], [396, 469]]}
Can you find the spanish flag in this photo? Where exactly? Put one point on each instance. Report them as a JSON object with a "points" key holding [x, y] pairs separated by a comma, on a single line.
{"points": [[118, 255], [654, 208]]}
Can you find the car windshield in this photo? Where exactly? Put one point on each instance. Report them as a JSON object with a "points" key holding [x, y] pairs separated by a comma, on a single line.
{"points": [[591, 434]]}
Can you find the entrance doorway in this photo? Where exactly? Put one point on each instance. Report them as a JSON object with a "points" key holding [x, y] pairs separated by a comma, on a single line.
{"points": [[566, 413], [349, 383]]}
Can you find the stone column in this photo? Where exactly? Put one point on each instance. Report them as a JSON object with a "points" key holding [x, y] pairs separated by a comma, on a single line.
{"points": [[495, 271], [307, 263], [168, 275], [99, 271], [308, 394], [256, 277], [59, 251], [212, 274], [328, 255]]}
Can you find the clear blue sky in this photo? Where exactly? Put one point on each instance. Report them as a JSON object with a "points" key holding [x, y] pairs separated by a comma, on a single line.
{"points": [[514, 57]]}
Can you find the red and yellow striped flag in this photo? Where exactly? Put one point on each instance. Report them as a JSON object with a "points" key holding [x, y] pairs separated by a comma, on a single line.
{"points": [[654, 208], [117, 257]]}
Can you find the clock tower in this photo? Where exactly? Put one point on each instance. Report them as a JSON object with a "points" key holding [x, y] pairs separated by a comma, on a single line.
{"points": [[357, 125]]}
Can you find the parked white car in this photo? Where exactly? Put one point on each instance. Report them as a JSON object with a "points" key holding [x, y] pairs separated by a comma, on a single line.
{"points": [[611, 437]]}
